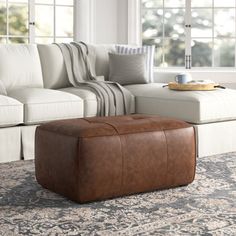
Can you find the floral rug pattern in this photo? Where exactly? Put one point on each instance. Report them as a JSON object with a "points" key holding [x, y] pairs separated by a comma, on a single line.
{"points": [[205, 207]]}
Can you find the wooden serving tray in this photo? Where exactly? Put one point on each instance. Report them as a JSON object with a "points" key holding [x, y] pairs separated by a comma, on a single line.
{"points": [[192, 87]]}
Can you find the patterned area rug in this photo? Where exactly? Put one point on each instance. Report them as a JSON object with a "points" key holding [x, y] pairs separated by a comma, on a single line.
{"points": [[206, 207]]}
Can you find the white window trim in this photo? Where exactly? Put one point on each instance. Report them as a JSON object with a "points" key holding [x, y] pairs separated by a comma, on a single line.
{"points": [[188, 50], [84, 19], [134, 22], [31, 19]]}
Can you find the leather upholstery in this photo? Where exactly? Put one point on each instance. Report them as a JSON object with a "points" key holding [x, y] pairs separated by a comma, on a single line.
{"points": [[103, 157]]}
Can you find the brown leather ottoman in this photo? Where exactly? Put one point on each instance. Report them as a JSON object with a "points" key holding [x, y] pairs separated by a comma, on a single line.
{"points": [[105, 157]]}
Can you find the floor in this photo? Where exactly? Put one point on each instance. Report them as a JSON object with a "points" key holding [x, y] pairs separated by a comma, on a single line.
{"points": [[205, 207]]}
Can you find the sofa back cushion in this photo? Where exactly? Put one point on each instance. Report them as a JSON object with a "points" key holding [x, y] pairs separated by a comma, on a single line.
{"points": [[102, 59], [53, 66], [3, 90], [20, 66]]}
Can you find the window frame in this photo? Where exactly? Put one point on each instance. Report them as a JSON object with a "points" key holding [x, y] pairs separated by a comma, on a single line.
{"points": [[31, 20], [135, 35], [7, 36]]}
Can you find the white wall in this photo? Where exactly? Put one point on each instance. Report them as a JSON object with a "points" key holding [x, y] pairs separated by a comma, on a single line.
{"points": [[105, 21], [122, 17], [110, 21], [102, 21]]}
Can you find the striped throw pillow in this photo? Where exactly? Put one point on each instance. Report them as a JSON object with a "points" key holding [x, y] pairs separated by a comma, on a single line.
{"points": [[149, 50]]}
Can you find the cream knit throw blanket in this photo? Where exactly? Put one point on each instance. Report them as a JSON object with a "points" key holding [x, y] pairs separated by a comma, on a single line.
{"points": [[113, 99]]}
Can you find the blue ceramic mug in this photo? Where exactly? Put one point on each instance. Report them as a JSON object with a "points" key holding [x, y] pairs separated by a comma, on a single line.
{"points": [[183, 78]]}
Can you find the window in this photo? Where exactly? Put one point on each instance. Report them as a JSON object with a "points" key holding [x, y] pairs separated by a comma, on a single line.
{"points": [[39, 21], [190, 33], [14, 21], [53, 21]]}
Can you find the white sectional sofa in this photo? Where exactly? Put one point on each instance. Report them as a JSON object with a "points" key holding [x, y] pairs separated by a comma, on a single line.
{"points": [[38, 91]]}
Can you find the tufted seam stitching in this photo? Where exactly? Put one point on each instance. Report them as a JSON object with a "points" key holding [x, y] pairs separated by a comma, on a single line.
{"points": [[122, 156], [78, 180], [167, 155]]}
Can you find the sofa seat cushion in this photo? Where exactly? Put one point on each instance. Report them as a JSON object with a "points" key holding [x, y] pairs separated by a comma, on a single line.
{"points": [[90, 100], [192, 106], [42, 105], [11, 111]]}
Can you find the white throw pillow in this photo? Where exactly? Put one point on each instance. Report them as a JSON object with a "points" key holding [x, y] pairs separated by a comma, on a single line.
{"points": [[149, 50], [3, 90]]}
